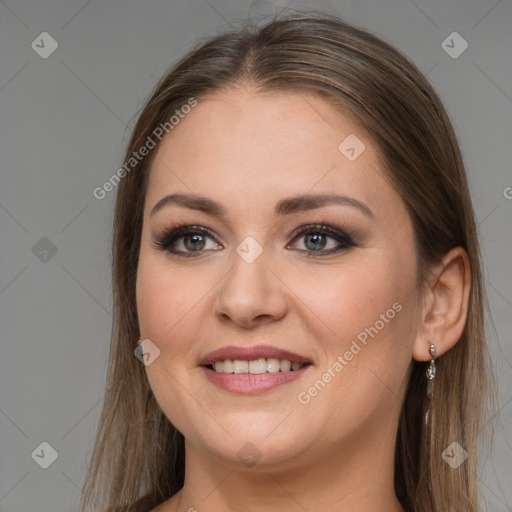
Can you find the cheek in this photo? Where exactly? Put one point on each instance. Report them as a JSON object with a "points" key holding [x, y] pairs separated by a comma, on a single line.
{"points": [[349, 300], [369, 312], [167, 299], [168, 303]]}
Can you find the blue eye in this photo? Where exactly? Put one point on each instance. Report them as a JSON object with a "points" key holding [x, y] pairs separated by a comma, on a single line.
{"points": [[316, 236], [193, 240]]}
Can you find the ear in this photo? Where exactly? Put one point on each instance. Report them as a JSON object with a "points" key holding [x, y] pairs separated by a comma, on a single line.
{"points": [[445, 306]]}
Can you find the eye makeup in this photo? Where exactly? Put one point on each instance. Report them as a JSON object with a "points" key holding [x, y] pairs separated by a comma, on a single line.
{"points": [[185, 234]]}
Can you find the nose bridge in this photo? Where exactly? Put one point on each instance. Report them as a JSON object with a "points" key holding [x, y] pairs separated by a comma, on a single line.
{"points": [[250, 291]]}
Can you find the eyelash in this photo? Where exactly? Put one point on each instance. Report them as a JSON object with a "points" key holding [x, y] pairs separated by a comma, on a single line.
{"points": [[165, 239]]}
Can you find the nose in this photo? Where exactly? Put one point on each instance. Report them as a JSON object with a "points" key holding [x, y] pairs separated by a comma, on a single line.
{"points": [[251, 294]]}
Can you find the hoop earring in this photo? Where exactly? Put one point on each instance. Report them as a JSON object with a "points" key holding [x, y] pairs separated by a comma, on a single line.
{"points": [[430, 374]]}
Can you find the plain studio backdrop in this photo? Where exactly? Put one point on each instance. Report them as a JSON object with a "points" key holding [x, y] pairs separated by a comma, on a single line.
{"points": [[73, 75]]}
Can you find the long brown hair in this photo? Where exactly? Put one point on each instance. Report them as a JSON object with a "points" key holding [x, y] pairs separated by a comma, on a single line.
{"points": [[138, 457]]}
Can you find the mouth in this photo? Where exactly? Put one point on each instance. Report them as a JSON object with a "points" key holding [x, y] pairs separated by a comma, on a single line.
{"points": [[253, 360], [256, 366], [252, 369]]}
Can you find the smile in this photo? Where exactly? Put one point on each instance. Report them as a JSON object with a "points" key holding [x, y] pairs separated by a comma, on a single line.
{"points": [[256, 366], [247, 370]]}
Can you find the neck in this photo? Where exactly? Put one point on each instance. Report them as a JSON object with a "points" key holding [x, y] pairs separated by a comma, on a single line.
{"points": [[352, 476]]}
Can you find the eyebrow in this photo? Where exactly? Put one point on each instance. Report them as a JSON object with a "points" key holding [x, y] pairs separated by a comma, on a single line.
{"points": [[285, 206]]}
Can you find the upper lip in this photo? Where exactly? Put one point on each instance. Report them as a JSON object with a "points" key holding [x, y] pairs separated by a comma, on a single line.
{"points": [[250, 354]]}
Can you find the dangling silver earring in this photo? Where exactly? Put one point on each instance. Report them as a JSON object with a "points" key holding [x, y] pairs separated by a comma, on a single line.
{"points": [[430, 373]]}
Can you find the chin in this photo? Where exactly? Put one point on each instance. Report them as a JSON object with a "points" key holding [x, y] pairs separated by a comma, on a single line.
{"points": [[253, 449]]}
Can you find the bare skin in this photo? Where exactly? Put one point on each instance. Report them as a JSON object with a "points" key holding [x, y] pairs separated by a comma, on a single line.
{"points": [[334, 450]]}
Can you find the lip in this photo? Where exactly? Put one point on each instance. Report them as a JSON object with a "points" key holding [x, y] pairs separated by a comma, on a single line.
{"points": [[250, 354], [247, 384]]}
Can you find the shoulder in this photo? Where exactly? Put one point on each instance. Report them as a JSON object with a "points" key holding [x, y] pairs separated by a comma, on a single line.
{"points": [[139, 507], [148, 505], [168, 505], [163, 507], [159, 508]]}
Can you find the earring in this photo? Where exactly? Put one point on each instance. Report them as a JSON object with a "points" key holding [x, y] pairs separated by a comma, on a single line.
{"points": [[430, 373]]}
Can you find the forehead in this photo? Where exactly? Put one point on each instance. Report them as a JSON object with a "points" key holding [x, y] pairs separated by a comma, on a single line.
{"points": [[255, 146], [241, 119]]}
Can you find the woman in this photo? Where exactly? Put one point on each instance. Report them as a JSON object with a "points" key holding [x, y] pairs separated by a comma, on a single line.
{"points": [[295, 251]]}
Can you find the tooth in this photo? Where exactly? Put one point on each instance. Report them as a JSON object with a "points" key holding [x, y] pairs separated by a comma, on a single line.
{"points": [[258, 366], [240, 366], [272, 365], [285, 365], [227, 366]]}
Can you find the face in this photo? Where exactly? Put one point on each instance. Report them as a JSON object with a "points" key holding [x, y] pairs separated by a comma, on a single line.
{"points": [[261, 279]]}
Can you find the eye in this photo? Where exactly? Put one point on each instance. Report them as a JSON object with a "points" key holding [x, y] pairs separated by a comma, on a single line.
{"points": [[316, 239], [189, 241]]}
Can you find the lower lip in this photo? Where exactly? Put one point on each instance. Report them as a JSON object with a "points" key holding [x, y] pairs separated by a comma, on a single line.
{"points": [[246, 383]]}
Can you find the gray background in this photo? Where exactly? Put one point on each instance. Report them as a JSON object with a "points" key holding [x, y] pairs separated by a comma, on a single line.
{"points": [[64, 123]]}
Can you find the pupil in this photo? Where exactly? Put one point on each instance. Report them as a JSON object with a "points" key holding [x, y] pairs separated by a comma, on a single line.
{"points": [[194, 239], [317, 240]]}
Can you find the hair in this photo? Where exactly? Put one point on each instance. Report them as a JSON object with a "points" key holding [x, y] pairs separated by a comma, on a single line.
{"points": [[138, 456]]}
